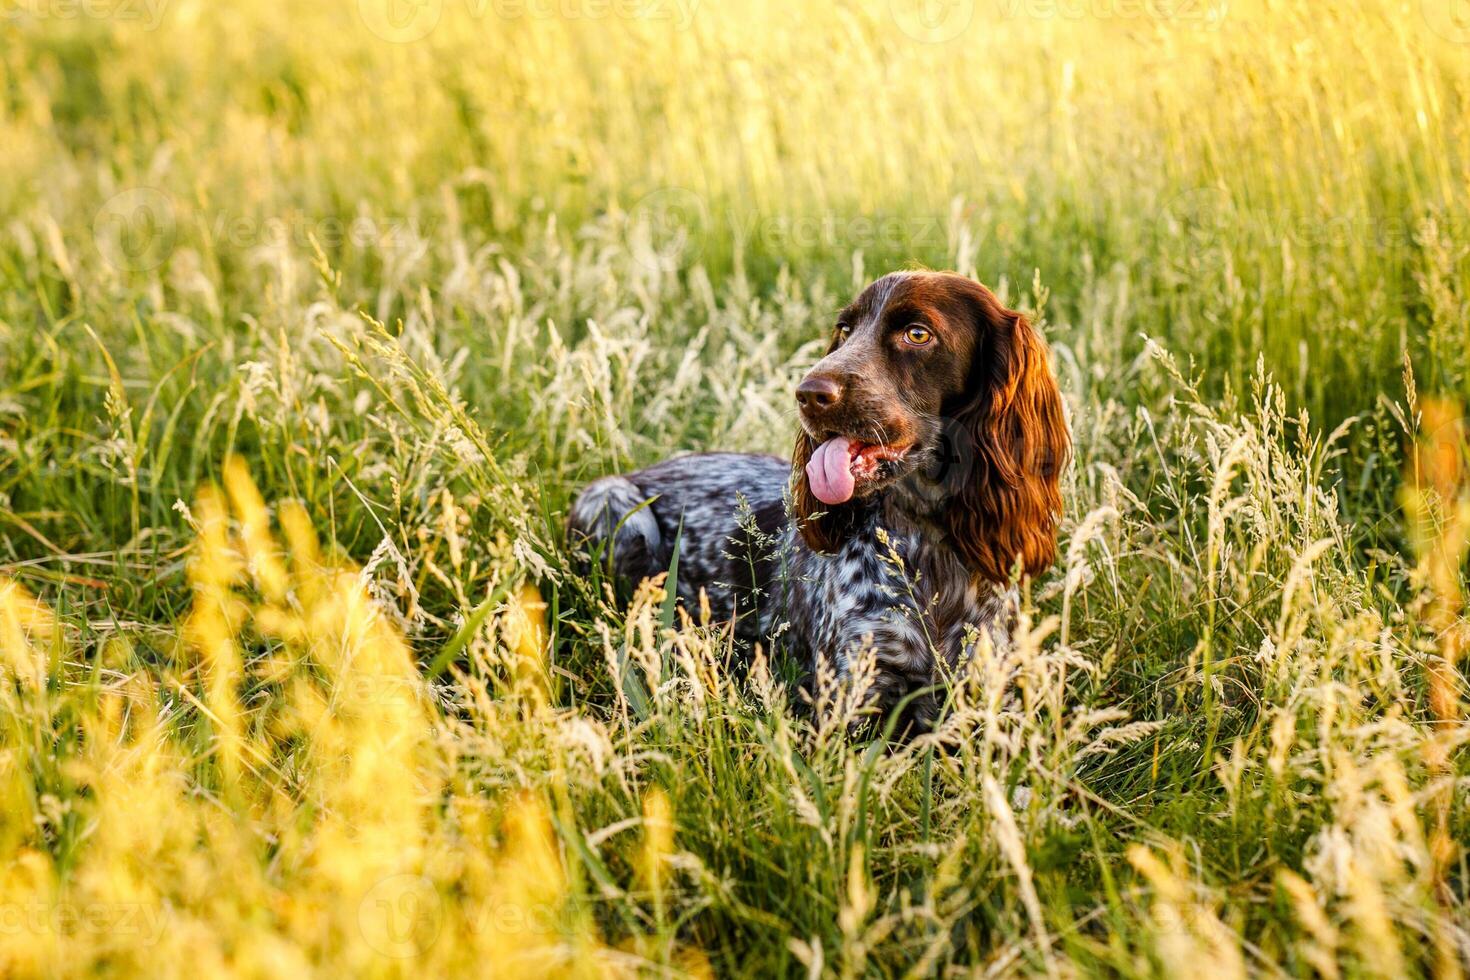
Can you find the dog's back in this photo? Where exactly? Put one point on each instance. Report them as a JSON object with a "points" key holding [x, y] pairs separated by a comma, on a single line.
{"points": [[732, 512]]}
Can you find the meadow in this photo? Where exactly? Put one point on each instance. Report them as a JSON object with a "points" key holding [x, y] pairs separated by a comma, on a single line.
{"points": [[314, 315]]}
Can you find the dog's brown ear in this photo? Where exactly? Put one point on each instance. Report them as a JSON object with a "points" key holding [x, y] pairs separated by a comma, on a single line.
{"points": [[1006, 512], [825, 527]]}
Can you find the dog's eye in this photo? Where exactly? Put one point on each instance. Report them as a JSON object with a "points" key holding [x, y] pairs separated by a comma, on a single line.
{"points": [[917, 336]]}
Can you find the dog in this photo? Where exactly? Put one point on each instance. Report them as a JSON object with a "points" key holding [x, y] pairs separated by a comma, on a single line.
{"points": [[925, 484]]}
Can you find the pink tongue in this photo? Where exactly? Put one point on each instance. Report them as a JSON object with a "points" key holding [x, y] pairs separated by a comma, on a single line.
{"points": [[830, 471]]}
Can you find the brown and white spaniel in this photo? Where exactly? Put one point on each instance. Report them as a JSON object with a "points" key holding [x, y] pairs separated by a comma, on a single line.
{"points": [[924, 485]]}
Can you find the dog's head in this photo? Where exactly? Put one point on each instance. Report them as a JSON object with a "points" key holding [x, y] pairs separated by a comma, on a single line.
{"points": [[931, 385]]}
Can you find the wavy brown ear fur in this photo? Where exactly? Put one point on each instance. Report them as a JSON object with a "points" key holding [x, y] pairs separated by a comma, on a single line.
{"points": [[823, 526], [1007, 512]]}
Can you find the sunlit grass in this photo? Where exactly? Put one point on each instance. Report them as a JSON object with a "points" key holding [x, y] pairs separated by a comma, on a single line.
{"points": [[306, 336]]}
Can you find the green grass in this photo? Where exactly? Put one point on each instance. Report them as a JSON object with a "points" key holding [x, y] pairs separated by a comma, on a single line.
{"points": [[427, 289]]}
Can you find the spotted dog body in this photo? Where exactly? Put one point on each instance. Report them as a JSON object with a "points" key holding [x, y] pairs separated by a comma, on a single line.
{"points": [[892, 586], [924, 480], [701, 501]]}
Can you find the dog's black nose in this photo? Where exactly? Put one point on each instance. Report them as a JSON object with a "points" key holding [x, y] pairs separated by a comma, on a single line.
{"points": [[818, 392]]}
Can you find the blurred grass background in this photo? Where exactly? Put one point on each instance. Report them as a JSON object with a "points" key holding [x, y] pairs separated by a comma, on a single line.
{"points": [[424, 268], [1243, 181]]}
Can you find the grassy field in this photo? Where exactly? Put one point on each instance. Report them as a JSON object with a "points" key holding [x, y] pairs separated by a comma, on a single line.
{"points": [[314, 315]]}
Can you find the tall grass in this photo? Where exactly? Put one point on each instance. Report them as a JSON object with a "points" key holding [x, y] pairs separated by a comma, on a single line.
{"points": [[306, 335]]}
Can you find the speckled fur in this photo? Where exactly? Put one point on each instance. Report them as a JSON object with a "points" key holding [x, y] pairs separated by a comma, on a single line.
{"points": [[911, 599]]}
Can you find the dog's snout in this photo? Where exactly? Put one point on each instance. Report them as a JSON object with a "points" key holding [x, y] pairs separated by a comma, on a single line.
{"points": [[818, 391]]}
